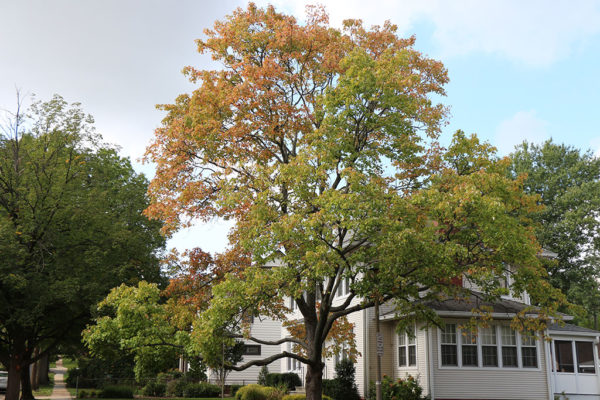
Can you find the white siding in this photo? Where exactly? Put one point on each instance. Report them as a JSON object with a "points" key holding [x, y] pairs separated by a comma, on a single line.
{"points": [[420, 370], [489, 383], [265, 329]]}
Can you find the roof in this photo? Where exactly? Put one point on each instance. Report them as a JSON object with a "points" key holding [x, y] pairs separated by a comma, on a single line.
{"points": [[475, 300], [501, 308], [570, 329]]}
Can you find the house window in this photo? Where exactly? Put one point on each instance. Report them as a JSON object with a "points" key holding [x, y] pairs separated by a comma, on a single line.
{"points": [[292, 363], [292, 305], [449, 345], [509, 347], [489, 347], [341, 355], [251, 350], [469, 349], [528, 351], [407, 349], [344, 287], [585, 357], [492, 345], [564, 355]]}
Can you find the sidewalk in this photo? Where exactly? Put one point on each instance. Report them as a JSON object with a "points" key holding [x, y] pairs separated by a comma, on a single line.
{"points": [[60, 391]]}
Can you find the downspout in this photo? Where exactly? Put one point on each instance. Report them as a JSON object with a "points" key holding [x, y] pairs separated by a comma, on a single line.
{"points": [[366, 352], [596, 360], [549, 373], [430, 363]]}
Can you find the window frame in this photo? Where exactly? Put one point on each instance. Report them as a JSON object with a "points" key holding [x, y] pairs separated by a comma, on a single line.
{"points": [[406, 345], [573, 341], [499, 354], [252, 346]]}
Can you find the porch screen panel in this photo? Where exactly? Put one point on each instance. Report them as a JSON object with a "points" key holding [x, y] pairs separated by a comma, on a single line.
{"points": [[585, 357], [564, 356], [448, 345]]}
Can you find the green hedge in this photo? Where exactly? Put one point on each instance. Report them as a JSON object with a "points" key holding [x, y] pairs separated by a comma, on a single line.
{"points": [[202, 389], [116, 392], [289, 379]]}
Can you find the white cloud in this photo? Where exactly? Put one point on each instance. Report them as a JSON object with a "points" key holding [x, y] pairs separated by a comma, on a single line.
{"points": [[524, 125], [595, 145], [534, 33]]}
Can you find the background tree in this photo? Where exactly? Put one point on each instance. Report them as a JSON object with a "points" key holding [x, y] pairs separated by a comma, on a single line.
{"points": [[321, 145], [567, 181], [70, 229]]}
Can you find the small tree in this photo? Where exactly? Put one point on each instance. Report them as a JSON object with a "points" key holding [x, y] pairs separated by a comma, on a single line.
{"points": [[262, 375]]}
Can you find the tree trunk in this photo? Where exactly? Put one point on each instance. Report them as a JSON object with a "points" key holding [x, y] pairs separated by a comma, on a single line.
{"points": [[42, 370], [314, 381], [26, 392], [14, 379], [34, 372]]}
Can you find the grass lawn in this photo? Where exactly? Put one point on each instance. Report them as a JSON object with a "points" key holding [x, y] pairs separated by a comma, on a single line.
{"points": [[45, 390], [69, 363]]}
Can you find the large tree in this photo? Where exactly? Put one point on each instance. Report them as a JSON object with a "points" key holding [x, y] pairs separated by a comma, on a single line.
{"points": [[321, 145], [567, 182], [71, 228]]}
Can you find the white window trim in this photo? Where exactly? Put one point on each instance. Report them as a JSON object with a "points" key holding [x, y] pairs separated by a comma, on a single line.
{"points": [[480, 367], [292, 362], [343, 288], [406, 346]]}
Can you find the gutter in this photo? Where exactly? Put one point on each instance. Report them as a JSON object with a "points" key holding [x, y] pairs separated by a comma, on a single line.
{"points": [[430, 363], [366, 352], [549, 373], [468, 314], [573, 333]]}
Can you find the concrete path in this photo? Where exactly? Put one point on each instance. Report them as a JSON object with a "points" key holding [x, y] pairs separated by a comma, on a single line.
{"points": [[60, 391]]}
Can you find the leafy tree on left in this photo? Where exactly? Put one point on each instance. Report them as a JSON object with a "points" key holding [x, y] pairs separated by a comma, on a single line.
{"points": [[71, 228]]}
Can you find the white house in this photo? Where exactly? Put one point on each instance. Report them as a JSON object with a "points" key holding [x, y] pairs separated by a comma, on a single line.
{"points": [[451, 364]]}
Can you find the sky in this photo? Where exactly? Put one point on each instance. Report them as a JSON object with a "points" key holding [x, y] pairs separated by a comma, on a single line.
{"points": [[519, 70]]}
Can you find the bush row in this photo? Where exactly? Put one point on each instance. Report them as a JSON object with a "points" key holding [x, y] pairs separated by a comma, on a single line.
{"points": [[289, 379], [108, 392]]}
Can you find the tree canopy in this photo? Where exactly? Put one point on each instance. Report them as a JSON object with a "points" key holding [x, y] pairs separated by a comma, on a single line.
{"points": [[71, 228], [321, 144], [567, 182]]}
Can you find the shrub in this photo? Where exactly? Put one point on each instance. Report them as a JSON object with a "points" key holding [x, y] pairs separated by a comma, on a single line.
{"points": [[262, 375], [202, 389], [343, 387], [250, 392], [290, 379], [87, 394], [258, 392], [116, 392], [175, 388], [406, 389], [234, 388], [301, 397], [154, 388]]}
